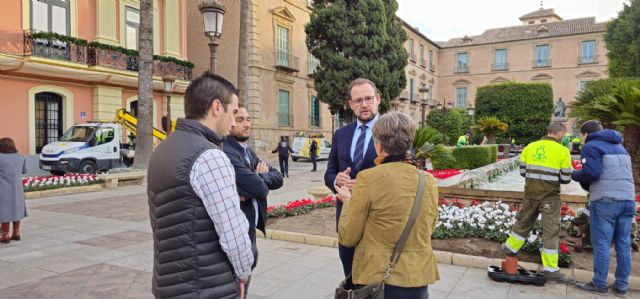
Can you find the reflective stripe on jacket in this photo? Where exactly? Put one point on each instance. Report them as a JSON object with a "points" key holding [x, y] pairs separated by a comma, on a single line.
{"points": [[545, 164]]}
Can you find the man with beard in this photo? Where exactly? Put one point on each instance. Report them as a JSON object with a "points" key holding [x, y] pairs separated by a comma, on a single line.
{"points": [[352, 149], [254, 178]]}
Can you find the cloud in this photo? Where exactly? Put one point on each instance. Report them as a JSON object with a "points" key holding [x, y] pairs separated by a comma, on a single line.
{"points": [[443, 20]]}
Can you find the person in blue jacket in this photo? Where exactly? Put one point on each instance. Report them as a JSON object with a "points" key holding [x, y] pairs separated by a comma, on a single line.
{"points": [[607, 175]]}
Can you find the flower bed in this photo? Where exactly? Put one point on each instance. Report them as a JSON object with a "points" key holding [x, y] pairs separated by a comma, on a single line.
{"points": [[54, 182], [444, 173], [491, 221], [299, 207]]}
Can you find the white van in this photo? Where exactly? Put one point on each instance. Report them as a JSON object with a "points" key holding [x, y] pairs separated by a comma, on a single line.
{"points": [[301, 144], [86, 148]]}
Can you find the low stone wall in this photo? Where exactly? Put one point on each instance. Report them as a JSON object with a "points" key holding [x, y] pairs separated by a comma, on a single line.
{"points": [[510, 197], [62, 191]]}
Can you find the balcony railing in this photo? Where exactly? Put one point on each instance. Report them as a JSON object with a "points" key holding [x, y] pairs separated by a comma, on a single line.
{"points": [[287, 62], [587, 60], [542, 63], [461, 68], [432, 67], [504, 66], [69, 49], [54, 48], [285, 120]]}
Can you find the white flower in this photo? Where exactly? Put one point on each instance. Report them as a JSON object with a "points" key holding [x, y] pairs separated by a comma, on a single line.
{"points": [[532, 238]]}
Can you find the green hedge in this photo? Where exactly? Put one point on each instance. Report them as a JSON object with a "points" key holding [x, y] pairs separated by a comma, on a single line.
{"points": [[494, 152], [439, 164], [471, 157], [526, 107], [468, 157]]}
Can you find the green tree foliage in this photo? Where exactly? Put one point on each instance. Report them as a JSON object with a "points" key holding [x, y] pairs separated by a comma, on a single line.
{"points": [[615, 103], [490, 126], [426, 145], [354, 39], [452, 128], [525, 107], [623, 41]]}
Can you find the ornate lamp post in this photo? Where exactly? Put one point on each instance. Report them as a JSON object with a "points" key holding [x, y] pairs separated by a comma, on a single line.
{"points": [[470, 111], [168, 89], [444, 106], [424, 91], [213, 14]]}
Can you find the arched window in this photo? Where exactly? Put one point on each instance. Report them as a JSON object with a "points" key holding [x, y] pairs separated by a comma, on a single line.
{"points": [[48, 117]]}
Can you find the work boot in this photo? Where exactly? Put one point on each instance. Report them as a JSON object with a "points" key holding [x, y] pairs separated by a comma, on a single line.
{"points": [[589, 287], [617, 292], [558, 277], [506, 251]]}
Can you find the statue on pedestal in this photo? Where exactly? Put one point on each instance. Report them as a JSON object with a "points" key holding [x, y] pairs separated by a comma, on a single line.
{"points": [[559, 108]]}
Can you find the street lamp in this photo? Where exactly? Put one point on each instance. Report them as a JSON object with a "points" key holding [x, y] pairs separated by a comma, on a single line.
{"points": [[424, 91], [470, 111], [168, 89], [213, 14]]}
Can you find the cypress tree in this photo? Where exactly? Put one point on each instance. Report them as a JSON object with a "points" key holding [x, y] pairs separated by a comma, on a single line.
{"points": [[352, 39]]}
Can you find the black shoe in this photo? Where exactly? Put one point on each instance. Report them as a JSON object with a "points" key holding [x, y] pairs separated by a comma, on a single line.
{"points": [[589, 287], [558, 277], [618, 293]]}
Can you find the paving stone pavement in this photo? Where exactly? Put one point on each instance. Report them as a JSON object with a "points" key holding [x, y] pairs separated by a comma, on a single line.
{"points": [[98, 245]]}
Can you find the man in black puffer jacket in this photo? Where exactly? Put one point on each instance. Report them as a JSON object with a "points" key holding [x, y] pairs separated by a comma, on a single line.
{"points": [[200, 235]]}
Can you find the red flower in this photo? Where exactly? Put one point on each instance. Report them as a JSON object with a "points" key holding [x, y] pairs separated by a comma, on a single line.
{"points": [[474, 202], [563, 248]]}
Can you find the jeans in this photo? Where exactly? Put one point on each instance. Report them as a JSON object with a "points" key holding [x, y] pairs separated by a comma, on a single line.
{"points": [[611, 220], [392, 292]]}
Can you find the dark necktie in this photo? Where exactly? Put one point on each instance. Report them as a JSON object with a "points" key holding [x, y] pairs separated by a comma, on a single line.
{"points": [[358, 154], [246, 157]]}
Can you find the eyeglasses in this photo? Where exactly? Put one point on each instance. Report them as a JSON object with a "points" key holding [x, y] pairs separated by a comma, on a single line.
{"points": [[368, 100]]}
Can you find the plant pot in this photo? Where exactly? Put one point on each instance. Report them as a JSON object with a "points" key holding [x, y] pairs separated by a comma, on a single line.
{"points": [[563, 264]]}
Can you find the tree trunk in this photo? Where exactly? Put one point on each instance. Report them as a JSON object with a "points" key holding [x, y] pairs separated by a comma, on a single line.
{"points": [[632, 145], [243, 58], [491, 139], [144, 139]]}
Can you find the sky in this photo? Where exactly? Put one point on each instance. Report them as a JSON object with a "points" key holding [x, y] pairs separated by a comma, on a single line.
{"points": [[446, 19]]}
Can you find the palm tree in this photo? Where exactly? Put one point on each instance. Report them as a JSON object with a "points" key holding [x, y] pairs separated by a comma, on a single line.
{"points": [[615, 103], [425, 146], [490, 127], [144, 138]]}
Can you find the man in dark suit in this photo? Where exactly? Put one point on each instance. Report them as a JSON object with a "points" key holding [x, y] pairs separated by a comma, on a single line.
{"points": [[254, 178], [352, 149]]}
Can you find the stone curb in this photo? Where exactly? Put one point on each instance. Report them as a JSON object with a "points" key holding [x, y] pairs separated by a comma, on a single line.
{"points": [[442, 257], [62, 191]]}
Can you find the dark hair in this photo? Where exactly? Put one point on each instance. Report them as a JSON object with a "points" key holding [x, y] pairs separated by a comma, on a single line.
{"points": [[7, 146], [556, 127], [203, 90], [590, 126]]}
